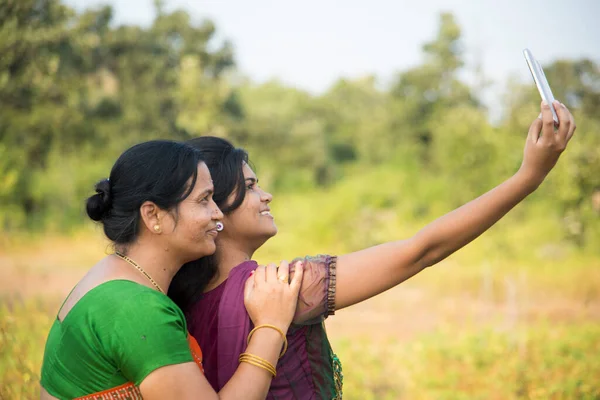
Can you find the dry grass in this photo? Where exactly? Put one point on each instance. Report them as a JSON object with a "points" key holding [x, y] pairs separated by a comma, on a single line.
{"points": [[474, 327]]}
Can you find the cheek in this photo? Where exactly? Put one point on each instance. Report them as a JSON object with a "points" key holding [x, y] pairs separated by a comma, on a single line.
{"points": [[204, 217], [249, 218], [197, 221], [241, 216]]}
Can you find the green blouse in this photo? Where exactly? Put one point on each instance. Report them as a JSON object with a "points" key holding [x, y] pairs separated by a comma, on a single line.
{"points": [[118, 332]]}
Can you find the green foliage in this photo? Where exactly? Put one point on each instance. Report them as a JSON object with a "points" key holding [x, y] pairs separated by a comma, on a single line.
{"points": [[355, 166], [75, 91]]}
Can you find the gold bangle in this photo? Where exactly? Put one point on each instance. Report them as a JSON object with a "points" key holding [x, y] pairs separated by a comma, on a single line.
{"points": [[251, 362], [258, 362], [285, 342]]}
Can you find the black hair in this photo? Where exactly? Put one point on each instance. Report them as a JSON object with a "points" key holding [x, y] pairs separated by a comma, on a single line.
{"points": [[225, 163], [158, 171]]}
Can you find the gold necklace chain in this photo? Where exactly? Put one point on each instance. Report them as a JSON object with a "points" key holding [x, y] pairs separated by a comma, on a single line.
{"points": [[130, 261]]}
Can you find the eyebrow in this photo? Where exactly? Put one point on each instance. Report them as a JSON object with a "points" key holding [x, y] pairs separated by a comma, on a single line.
{"points": [[253, 180], [205, 193]]}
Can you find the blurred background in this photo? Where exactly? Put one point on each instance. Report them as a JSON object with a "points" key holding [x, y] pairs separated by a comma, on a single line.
{"points": [[366, 120]]}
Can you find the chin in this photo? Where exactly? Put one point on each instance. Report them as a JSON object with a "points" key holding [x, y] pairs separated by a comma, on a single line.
{"points": [[267, 234], [265, 230], [208, 249], [271, 234], [273, 231]]}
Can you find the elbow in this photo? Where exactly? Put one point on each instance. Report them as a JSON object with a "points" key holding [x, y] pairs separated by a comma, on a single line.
{"points": [[430, 262], [434, 256], [429, 249], [420, 254]]}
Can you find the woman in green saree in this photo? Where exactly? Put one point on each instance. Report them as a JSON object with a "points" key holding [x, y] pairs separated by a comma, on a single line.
{"points": [[117, 335]]}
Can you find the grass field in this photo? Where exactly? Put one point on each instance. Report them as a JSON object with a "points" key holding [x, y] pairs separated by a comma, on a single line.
{"points": [[515, 315]]}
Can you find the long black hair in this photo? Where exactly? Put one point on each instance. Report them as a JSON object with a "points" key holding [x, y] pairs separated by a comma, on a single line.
{"points": [[157, 171], [225, 163]]}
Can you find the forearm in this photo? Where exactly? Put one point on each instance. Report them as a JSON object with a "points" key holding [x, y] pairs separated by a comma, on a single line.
{"points": [[454, 230], [391, 263], [249, 381]]}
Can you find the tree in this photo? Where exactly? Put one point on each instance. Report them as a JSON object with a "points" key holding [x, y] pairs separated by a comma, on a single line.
{"points": [[75, 92], [433, 86], [576, 180]]}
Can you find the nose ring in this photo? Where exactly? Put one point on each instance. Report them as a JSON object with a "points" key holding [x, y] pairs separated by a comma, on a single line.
{"points": [[219, 226]]}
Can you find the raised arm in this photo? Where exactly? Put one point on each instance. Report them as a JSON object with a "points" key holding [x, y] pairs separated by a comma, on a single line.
{"points": [[368, 272]]}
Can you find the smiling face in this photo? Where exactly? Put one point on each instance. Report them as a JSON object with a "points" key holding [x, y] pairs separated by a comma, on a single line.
{"points": [[251, 223], [191, 229]]}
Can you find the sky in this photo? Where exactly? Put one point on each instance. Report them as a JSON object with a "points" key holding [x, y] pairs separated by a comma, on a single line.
{"points": [[310, 44]]}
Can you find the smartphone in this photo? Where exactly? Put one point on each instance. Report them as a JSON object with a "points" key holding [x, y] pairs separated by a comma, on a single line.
{"points": [[540, 81]]}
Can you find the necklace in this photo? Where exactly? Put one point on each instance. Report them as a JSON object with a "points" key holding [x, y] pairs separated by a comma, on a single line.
{"points": [[130, 261]]}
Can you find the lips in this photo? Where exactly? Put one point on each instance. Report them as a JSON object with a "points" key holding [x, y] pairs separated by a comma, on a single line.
{"points": [[266, 212], [212, 232]]}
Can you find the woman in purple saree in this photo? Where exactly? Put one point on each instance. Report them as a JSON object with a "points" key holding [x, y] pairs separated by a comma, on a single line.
{"points": [[308, 369], [210, 290]]}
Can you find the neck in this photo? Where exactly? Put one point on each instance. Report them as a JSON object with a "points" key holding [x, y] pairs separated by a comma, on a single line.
{"points": [[156, 261], [229, 255]]}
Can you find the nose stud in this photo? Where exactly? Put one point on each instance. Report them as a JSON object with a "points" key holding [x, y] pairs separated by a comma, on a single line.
{"points": [[219, 226]]}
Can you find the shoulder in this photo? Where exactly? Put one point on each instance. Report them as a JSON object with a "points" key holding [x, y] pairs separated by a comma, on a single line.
{"points": [[130, 302]]}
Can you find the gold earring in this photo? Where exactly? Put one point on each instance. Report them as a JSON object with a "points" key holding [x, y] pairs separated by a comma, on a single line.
{"points": [[157, 228]]}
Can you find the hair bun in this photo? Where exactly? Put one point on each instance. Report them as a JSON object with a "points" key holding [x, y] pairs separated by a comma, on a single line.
{"points": [[99, 204]]}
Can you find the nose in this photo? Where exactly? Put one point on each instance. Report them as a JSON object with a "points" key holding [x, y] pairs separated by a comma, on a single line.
{"points": [[266, 197], [217, 213]]}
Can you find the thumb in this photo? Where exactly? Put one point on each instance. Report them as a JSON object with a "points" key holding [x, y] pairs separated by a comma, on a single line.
{"points": [[534, 130], [297, 279]]}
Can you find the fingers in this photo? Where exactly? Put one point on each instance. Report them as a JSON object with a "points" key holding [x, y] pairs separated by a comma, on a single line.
{"points": [[260, 274], [271, 273], [249, 286], [564, 118], [572, 126], [547, 122], [534, 130], [283, 273], [297, 279]]}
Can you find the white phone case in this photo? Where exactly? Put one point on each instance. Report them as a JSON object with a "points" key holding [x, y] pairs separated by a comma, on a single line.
{"points": [[540, 81]]}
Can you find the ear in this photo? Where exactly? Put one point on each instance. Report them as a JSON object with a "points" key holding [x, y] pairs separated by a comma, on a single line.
{"points": [[150, 214]]}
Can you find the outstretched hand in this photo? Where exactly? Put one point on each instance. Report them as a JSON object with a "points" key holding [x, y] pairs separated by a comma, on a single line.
{"points": [[545, 143]]}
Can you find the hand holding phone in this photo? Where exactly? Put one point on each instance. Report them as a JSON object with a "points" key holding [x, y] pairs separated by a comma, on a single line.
{"points": [[541, 82]]}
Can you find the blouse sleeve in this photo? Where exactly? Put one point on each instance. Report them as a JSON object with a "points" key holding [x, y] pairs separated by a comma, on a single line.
{"points": [[149, 332], [317, 293]]}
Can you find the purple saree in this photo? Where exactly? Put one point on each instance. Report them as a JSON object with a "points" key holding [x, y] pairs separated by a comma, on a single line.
{"points": [[309, 369]]}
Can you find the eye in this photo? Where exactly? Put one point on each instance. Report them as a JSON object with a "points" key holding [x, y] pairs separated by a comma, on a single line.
{"points": [[250, 186]]}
